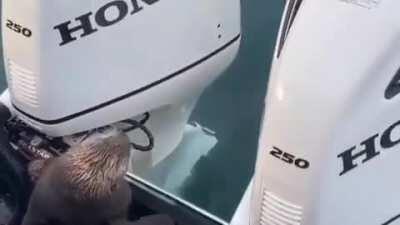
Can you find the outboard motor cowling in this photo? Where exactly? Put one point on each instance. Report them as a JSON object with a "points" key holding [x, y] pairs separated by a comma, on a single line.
{"points": [[74, 66]]}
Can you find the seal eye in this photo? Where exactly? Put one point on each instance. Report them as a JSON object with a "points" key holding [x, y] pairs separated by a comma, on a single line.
{"points": [[104, 130]]}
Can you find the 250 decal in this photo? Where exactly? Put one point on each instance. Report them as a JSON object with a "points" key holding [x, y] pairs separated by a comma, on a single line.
{"points": [[18, 28], [289, 158]]}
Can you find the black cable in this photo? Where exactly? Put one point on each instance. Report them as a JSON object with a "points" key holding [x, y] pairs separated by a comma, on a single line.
{"points": [[141, 125], [142, 122], [145, 119]]}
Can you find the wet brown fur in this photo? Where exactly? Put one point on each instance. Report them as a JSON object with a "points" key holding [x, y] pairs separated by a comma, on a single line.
{"points": [[85, 186], [96, 170]]}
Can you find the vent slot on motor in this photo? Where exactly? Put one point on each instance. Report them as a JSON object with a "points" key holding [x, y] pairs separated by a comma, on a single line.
{"points": [[276, 211], [23, 84]]}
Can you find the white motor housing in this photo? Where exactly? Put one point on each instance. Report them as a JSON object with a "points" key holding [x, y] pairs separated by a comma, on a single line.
{"points": [[73, 66], [329, 148]]}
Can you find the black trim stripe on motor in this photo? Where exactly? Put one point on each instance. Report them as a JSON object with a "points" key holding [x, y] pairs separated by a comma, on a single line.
{"points": [[393, 89], [285, 26], [391, 220], [130, 94], [291, 14]]}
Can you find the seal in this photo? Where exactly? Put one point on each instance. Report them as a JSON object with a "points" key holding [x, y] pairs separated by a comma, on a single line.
{"points": [[85, 185]]}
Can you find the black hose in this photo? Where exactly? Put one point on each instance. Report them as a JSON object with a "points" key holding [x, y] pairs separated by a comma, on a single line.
{"points": [[140, 125]]}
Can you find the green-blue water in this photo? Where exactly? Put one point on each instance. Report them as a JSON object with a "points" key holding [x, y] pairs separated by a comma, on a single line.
{"points": [[232, 107]]}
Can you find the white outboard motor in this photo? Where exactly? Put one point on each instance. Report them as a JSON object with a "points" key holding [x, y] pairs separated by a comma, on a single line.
{"points": [[74, 66], [329, 148]]}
